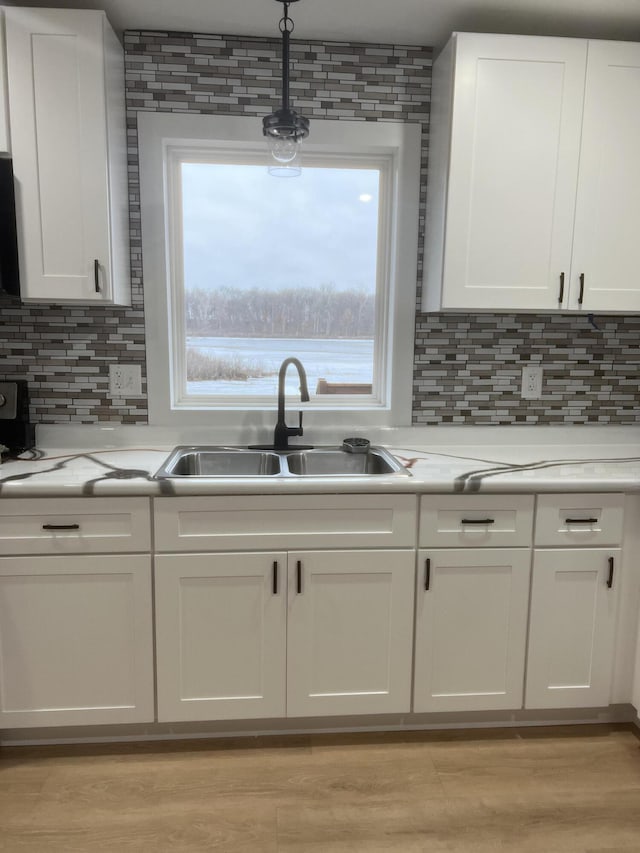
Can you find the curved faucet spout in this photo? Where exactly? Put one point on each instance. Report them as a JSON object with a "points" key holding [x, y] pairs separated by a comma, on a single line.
{"points": [[282, 431]]}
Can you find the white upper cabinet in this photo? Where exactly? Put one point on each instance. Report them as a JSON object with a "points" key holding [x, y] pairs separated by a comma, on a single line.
{"points": [[65, 73], [516, 139], [506, 117], [4, 97], [606, 248]]}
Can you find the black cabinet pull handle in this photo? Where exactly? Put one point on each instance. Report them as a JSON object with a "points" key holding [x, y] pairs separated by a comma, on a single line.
{"points": [[610, 578], [477, 521], [580, 520], [561, 294], [581, 296], [61, 527], [275, 577], [96, 275], [298, 577], [427, 574]]}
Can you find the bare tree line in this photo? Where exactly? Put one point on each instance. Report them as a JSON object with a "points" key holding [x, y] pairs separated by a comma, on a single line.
{"points": [[292, 312]]}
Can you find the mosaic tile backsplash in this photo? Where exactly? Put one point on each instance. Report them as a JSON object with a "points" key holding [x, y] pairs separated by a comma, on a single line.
{"points": [[467, 369]]}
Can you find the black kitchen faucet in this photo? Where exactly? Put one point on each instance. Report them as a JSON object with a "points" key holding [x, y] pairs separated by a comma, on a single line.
{"points": [[282, 431]]}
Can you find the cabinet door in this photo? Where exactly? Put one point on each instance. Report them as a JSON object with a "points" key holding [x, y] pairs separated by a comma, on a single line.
{"points": [[606, 245], [350, 632], [471, 627], [571, 631], [220, 636], [57, 83], [512, 172], [75, 640], [4, 99]]}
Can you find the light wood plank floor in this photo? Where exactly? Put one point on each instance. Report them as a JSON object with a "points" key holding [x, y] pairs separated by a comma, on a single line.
{"points": [[542, 790]]}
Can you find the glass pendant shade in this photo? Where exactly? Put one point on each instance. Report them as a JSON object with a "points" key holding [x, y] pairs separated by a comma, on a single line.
{"points": [[283, 149], [285, 168]]}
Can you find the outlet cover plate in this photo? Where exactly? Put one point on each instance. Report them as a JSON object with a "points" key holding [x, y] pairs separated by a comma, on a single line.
{"points": [[531, 382], [125, 380]]}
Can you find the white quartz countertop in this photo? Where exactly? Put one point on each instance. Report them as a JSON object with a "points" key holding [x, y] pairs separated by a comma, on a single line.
{"points": [[612, 463]]}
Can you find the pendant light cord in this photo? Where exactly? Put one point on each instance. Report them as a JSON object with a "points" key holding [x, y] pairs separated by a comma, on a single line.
{"points": [[286, 28]]}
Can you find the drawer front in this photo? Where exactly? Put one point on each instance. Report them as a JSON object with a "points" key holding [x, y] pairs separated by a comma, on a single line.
{"points": [[579, 519], [74, 525], [476, 521], [267, 522]]}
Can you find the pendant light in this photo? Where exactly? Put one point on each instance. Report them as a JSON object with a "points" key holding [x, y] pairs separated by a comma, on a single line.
{"points": [[284, 128]]}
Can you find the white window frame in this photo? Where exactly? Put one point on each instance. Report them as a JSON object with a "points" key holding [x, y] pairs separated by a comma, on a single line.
{"points": [[160, 134]]}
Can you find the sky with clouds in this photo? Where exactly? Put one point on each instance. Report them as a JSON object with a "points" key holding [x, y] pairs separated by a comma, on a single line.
{"points": [[244, 227]]}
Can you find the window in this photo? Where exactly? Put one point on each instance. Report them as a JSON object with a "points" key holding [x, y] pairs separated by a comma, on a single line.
{"points": [[243, 269], [273, 268]]}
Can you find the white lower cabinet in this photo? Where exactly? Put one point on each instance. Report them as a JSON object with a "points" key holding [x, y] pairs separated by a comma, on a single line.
{"points": [[269, 634], [471, 627], [572, 627], [301, 606], [75, 640], [573, 612], [221, 635], [350, 632], [325, 630]]}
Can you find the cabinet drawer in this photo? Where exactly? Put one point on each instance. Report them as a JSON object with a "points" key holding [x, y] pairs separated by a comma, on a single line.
{"points": [[266, 522], [458, 521], [74, 525], [579, 520]]}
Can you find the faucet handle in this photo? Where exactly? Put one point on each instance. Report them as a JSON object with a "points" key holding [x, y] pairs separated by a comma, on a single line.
{"points": [[300, 423]]}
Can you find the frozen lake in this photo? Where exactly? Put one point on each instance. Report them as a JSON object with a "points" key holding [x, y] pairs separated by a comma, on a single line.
{"points": [[336, 360]]}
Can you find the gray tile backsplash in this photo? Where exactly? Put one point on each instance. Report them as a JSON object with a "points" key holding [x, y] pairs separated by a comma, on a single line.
{"points": [[467, 369]]}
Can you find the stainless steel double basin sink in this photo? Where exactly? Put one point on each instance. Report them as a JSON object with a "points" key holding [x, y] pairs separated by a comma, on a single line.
{"points": [[208, 462]]}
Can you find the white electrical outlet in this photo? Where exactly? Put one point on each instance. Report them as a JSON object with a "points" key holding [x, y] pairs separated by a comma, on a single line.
{"points": [[125, 380], [531, 382]]}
